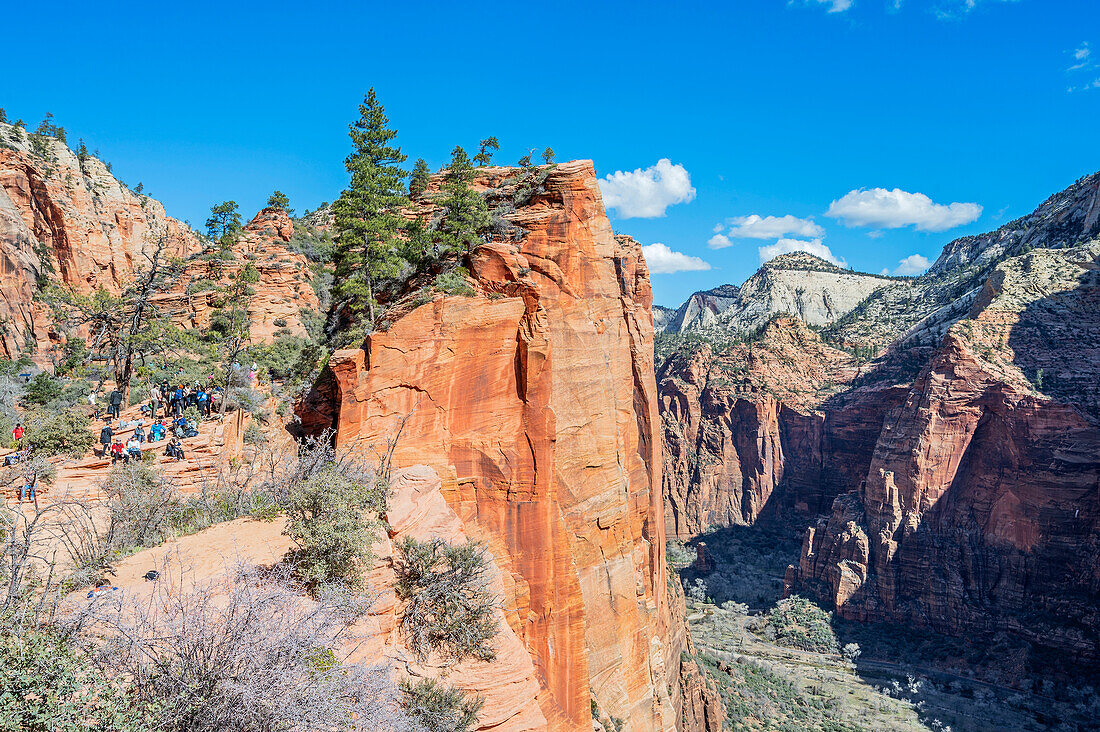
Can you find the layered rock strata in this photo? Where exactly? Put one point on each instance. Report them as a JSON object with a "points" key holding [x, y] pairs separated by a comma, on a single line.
{"points": [[534, 400]]}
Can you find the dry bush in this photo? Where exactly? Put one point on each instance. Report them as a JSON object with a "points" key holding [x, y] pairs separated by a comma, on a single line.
{"points": [[436, 707], [448, 607], [246, 654]]}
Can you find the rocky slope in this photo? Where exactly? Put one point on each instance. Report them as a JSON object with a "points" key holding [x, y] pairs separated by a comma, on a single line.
{"points": [[799, 284], [980, 507], [68, 220], [534, 401], [700, 311], [284, 294], [957, 469]]}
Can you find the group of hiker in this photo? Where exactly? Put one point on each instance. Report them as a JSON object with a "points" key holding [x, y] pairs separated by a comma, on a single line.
{"points": [[178, 429], [173, 400]]}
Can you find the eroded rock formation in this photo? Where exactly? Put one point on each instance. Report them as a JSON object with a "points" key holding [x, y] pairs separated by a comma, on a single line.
{"points": [[763, 428], [70, 221], [535, 402], [981, 506], [283, 292], [65, 220]]}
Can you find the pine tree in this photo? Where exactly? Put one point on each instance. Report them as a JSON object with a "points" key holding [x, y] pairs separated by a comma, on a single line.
{"points": [[280, 200], [548, 155], [367, 214], [224, 221], [465, 212], [485, 151], [3, 115], [418, 182], [525, 162]]}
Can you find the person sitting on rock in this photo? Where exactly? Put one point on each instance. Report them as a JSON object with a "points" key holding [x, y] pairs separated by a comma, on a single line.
{"points": [[117, 452], [133, 449], [174, 449], [156, 432], [139, 433], [106, 435], [16, 457]]}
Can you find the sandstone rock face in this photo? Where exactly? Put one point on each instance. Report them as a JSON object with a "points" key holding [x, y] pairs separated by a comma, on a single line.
{"points": [[980, 509], [68, 221], [283, 292], [761, 429], [701, 310], [72, 222], [799, 284], [535, 403]]}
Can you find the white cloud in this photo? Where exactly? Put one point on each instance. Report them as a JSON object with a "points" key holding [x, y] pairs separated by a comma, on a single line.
{"points": [[786, 246], [914, 264], [766, 227], [719, 241], [879, 208], [645, 194], [954, 9], [662, 260], [1081, 56], [835, 6]]}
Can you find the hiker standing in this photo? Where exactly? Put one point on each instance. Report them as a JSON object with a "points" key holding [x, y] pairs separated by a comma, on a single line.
{"points": [[94, 404], [18, 432], [115, 403], [154, 400], [106, 435]]}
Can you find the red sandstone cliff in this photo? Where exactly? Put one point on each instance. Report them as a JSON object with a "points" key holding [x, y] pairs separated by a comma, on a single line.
{"points": [[760, 429], [981, 506], [535, 402], [70, 221]]}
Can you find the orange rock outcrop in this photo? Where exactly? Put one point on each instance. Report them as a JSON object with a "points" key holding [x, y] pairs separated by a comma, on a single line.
{"points": [[68, 221], [535, 402], [282, 293], [980, 509]]}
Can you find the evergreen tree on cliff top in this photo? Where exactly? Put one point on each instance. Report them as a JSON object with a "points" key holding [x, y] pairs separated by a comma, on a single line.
{"points": [[465, 212], [368, 213], [418, 181]]}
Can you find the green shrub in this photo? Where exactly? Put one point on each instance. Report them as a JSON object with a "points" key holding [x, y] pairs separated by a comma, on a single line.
{"points": [[327, 521], [42, 389], [435, 707], [60, 433], [796, 622], [448, 608], [46, 685], [453, 282]]}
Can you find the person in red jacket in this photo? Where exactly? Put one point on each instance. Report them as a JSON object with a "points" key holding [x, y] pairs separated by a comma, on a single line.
{"points": [[17, 433]]}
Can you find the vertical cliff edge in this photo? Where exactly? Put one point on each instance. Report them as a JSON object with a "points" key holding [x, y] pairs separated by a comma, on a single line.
{"points": [[534, 401]]}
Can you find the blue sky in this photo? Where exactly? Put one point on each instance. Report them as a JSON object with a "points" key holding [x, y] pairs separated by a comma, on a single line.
{"points": [[763, 109]]}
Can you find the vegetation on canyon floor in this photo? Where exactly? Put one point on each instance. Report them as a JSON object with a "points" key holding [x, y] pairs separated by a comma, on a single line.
{"points": [[784, 663]]}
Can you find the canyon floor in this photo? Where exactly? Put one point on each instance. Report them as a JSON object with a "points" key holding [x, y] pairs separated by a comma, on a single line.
{"points": [[902, 679]]}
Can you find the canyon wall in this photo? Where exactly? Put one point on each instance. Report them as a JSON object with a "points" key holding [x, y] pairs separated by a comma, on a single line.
{"points": [[68, 221], [763, 429], [535, 402], [981, 506]]}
